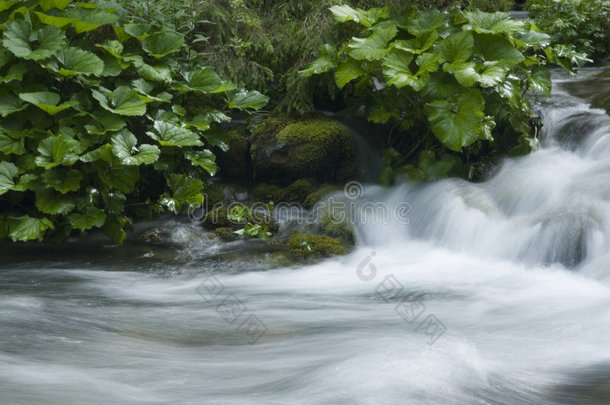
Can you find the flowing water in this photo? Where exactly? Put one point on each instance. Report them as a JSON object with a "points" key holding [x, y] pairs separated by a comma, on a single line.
{"points": [[491, 293]]}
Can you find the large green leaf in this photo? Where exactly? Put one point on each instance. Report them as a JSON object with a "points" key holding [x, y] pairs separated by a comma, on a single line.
{"points": [[10, 103], [348, 71], [464, 72], [11, 142], [324, 63], [89, 19], [120, 177], [63, 180], [248, 99], [493, 47], [46, 5], [123, 101], [169, 134], [7, 4], [205, 80], [460, 122], [8, 172], [91, 218], [373, 47], [540, 80], [204, 159], [185, 191], [27, 228], [396, 69], [57, 150], [162, 43], [425, 22], [103, 152], [492, 73], [52, 203], [15, 72], [493, 23], [418, 44], [457, 47], [76, 61], [37, 45], [124, 148], [47, 101], [139, 31], [343, 13]]}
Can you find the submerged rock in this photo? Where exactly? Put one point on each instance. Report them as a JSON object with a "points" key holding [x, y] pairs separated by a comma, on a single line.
{"points": [[316, 245], [602, 100], [284, 150]]}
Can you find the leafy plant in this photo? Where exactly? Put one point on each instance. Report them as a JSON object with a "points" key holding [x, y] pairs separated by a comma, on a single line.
{"points": [[584, 24], [451, 81], [101, 119], [254, 223]]}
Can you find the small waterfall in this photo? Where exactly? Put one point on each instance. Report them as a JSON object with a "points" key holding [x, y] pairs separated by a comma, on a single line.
{"points": [[552, 206]]}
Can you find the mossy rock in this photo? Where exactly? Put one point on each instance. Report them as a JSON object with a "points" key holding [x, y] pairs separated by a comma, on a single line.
{"points": [[265, 192], [225, 233], [235, 162], [217, 218], [316, 245], [605, 73], [295, 192], [263, 219], [319, 194], [337, 228], [284, 150], [602, 101]]}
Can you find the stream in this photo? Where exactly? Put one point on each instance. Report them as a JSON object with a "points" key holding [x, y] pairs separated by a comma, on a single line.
{"points": [[488, 293]]}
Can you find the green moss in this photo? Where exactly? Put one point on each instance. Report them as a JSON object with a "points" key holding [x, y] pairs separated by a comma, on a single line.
{"points": [[316, 245], [286, 149], [217, 218], [262, 219], [337, 229], [317, 196], [234, 162], [225, 233], [268, 192], [319, 138], [602, 101]]}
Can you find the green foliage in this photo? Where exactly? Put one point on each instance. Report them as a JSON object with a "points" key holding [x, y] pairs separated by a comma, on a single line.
{"points": [[450, 81], [584, 24], [254, 223], [102, 114]]}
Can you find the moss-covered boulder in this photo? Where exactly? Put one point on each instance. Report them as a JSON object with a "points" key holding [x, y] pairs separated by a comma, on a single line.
{"points": [[284, 150], [316, 245], [295, 192], [225, 233], [319, 194], [235, 162], [602, 100], [217, 217], [337, 228]]}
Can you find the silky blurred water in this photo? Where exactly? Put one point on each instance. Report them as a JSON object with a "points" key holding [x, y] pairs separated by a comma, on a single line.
{"points": [[492, 293]]}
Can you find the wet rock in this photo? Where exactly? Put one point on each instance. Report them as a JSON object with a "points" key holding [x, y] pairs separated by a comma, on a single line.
{"points": [[316, 245], [284, 150], [602, 100]]}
